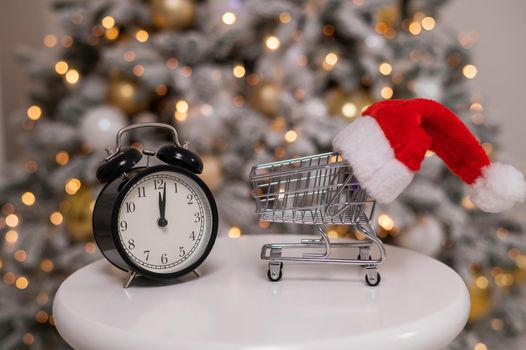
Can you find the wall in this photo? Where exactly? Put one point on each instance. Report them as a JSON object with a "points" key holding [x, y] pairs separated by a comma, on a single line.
{"points": [[500, 58], [22, 22]]}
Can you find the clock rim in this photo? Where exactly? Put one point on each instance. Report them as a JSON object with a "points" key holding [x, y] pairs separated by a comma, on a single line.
{"points": [[115, 230]]}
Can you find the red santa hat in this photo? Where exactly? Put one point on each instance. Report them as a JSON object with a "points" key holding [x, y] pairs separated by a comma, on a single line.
{"points": [[388, 143]]}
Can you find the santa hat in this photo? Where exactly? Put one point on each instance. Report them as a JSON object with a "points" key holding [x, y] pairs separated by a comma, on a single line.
{"points": [[386, 146]]}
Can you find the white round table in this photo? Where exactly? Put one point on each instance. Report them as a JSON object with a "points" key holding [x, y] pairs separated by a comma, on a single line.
{"points": [[420, 304]]}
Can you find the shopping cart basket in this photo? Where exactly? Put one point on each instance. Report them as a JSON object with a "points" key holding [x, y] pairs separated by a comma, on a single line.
{"points": [[316, 190]]}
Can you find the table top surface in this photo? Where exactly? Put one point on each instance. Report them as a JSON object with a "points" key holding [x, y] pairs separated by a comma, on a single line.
{"points": [[419, 304]]}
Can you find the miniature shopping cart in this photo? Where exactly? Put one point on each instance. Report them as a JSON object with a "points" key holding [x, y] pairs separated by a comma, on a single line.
{"points": [[316, 190]]}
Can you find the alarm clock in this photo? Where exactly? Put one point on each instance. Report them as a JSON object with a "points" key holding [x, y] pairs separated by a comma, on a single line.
{"points": [[156, 221]]}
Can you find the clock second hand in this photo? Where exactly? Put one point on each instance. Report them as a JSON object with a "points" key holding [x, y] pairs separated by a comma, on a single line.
{"points": [[162, 222]]}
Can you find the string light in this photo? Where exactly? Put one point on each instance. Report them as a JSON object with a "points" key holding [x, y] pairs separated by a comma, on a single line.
{"points": [[42, 298], [22, 282], [138, 70], [349, 110], [20, 255], [61, 67], [66, 41], [381, 28], [72, 186], [41, 316], [428, 23], [229, 18], [429, 153], [328, 30], [50, 40], [467, 203], [469, 71], [264, 224], [415, 28], [480, 346], [482, 282], [90, 247], [11, 236], [172, 63], [290, 136], [28, 198], [272, 42], [28, 339], [180, 116], [72, 76], [285, 17], [31, 166], [34, 112], [239, 71], [497, 324], [186, 71], [330, 61], [182, 106], [46, 265], [234, 232], [280, 152], [386, 92], [386, 222], [108, 22], [9, 278], [11, 220], [487, 147], [161, 89], [129, 56], [56, 218], [504, 279], [502, 233], [112, 33], [385, 68], [238, 101], [62, 158], [141, 36]]}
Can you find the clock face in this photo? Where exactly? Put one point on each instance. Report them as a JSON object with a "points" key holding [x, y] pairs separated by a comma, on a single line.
{"points": [[165, 222]]}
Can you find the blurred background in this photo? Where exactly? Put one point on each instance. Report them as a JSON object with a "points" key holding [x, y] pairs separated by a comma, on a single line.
{"points": [[248, 82]]}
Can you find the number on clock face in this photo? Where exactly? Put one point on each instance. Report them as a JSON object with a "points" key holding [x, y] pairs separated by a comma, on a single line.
{"points": [[164, 222]]}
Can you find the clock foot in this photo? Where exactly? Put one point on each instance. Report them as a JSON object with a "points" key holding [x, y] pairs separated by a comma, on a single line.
{"points": [[196, 273], [129, 278]]}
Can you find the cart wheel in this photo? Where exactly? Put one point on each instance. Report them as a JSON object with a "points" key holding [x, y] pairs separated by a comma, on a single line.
{"points": [[274, 272], [358, 257], [376, 282]]}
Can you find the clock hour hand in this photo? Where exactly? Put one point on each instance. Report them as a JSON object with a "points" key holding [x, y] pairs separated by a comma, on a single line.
{"points": [[162, 222]]}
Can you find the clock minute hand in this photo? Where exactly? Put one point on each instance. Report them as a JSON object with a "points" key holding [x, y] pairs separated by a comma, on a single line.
{"points": [[162, 222]]}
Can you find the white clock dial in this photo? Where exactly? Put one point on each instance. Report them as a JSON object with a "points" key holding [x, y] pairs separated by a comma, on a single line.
{"points": [[171, 242]]}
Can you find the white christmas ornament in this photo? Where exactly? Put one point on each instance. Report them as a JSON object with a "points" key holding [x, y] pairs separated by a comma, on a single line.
{"points": [[426, 236], [100, 125]]}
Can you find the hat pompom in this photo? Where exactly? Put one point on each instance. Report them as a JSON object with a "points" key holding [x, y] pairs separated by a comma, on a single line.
{"points": [[498, 189]]}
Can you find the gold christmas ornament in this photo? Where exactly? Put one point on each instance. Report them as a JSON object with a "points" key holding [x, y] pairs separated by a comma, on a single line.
{"points": [[77, 214], [173, 14], [126, 95], [347, 105], [212, 173], [264, 97], [389, 15], [480, 296]]}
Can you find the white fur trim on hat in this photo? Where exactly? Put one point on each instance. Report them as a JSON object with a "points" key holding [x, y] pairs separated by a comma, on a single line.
{"points": [[499, 187], [364, 145]]}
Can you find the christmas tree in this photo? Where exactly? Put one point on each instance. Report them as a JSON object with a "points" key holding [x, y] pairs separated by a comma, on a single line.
{"points": [[245, 82]]}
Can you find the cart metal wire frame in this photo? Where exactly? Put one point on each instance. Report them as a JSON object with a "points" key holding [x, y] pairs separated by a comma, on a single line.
{"points": [[316, 190]]}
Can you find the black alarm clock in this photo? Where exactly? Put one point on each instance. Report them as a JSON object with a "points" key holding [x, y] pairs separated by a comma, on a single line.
{"points": [[156, 221]]}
